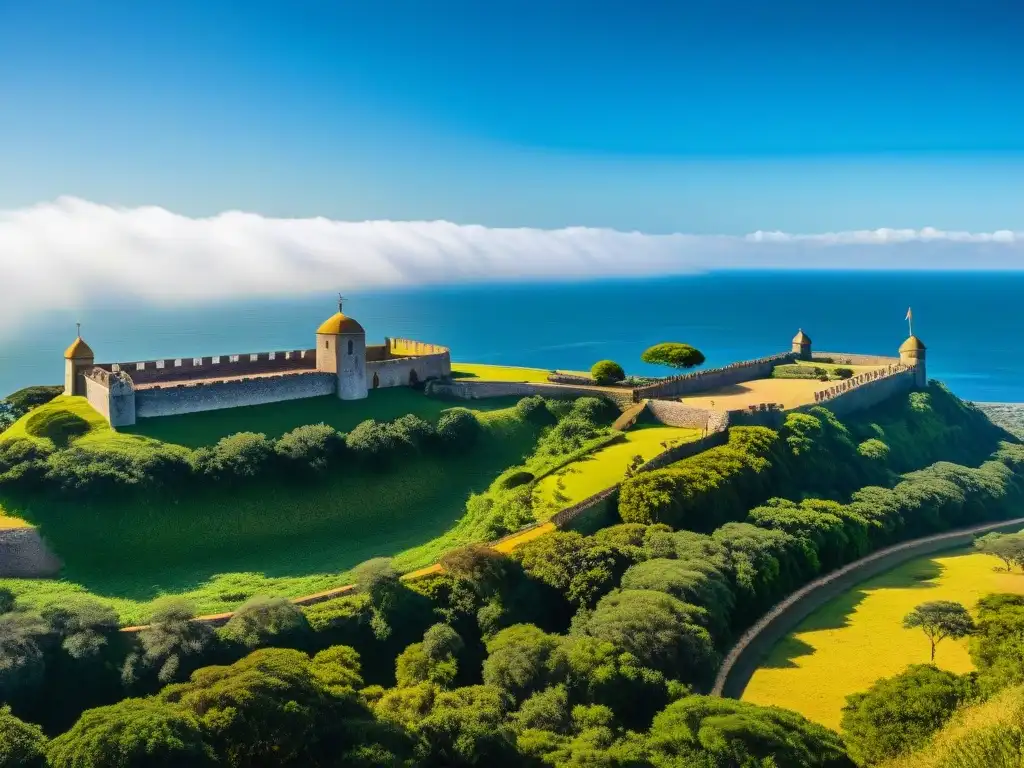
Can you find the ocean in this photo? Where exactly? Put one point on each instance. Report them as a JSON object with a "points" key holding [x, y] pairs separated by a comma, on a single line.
{"points": [[972, 323]]}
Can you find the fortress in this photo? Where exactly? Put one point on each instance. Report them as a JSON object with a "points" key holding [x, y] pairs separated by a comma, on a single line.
{"points": [[340, 364]]}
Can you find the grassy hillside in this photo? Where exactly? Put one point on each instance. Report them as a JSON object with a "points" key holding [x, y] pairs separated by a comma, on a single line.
{"points": [[223, 544], [857, 638], [498, 372]]}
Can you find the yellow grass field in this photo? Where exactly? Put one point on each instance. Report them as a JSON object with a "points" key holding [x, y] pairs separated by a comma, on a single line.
{"points": [[858, 638], [789, 392], [605, 467], [498, 373], [7, 522]]}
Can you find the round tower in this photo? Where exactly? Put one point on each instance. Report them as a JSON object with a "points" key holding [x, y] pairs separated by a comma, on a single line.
{"points": [[78, 358], [912, 353], [802, 345], [341, 349]]}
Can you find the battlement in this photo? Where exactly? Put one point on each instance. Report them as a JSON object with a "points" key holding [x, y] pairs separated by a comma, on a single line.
{"points": [[218, 366], [410, 348], [734, 373]]}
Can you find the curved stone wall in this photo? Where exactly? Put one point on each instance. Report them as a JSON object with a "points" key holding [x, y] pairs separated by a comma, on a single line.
{"points": [[747, 654]]}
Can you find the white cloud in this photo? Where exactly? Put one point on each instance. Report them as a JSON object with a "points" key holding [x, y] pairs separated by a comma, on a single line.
{"points": [[72, 252]]}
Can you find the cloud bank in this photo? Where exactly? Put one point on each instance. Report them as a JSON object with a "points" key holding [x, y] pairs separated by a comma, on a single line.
{"points": [[71, 252]]}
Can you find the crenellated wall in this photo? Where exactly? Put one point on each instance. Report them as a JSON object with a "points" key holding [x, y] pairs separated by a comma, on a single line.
{"points": [[208, 396], [864, 391], [410, 348], [699, 381], [220, 366], [851, 358]]}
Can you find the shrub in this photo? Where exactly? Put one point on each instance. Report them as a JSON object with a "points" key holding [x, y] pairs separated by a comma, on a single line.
{"points": [[844, 373], [673, 355], [607, 372], [534, 410], [60, 426], [240, 456], [458, 428], [24, 400], [898, 714], [22, 745], [313, 447], [264, 620]]}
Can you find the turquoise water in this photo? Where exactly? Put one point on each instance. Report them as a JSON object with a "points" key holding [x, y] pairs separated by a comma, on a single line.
{"points": [[972, 323]]}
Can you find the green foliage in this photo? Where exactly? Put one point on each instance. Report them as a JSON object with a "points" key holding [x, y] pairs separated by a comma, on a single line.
{"points": [[311, 449], [689, 582], [132, 733], [579, 567], [59, 426], [458, 427], [522, 660], [898, 714], [844, 373], [24, 400], [22, 745], [1008, 547], [997, 645], [938, 620], [263, 621], [607, 372], [171, 644], [673, 355], [663, 633]]}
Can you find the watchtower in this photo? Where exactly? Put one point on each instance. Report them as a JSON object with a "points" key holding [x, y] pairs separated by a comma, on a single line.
{"points": [[802, 345], [341, 349], [78, 358], [912, 353]]}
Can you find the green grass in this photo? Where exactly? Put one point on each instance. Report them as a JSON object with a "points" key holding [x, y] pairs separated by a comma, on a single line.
{"points": [[856, 639], [498, 373], [274, 419], [219, 547], [605, 467]]}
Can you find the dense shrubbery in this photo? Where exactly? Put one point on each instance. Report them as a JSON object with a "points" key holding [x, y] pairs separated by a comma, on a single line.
{"points": [[574, 651], [607, 372], [16, 405]]}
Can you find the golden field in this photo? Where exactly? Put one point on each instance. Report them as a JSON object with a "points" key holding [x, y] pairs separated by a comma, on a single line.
{"points": [[858, 638]]}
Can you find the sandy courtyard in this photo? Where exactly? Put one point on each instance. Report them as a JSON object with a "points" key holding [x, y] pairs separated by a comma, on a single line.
{"points": [[789, 392]]}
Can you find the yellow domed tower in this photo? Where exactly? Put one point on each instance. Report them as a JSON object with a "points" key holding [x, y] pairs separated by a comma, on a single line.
{"points": [[802, 345], [341, 349], [912, 353], [78, 358]]}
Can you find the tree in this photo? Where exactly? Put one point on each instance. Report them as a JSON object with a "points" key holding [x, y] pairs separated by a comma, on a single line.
{"points": [[940, 619], [379, 580], [673, 355], [524, 659], [338, 669], [458, 428], [133, 732], [607, 372], [22, 745], [171, 642], [663, 633], [261, 619], [899, 714], [1008, 547], [844, 373]]}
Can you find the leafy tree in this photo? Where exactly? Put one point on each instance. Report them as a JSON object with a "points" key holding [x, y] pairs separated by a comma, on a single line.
{"points": [[725, 733], [22, 745], [239, 456], [938, 620], [844, 373], [84, 625], [372, 442], [133, 732], [478, 565], [524, 659], [338, 669], [24, 400], [314, 447], [673, 355], [580, 567], [22, 662], [466, 727], [263, 620], [898, 714], [459, 427], [377, 579], [663, 633], [433, 660], [1008, 547], [607, 372], [997, 647], [171, 643], [706, 587]]}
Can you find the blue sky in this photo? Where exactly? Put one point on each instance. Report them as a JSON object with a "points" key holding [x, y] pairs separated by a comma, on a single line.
{"points": [[717, 116]]}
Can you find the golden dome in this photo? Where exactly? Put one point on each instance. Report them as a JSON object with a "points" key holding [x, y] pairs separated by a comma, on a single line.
{"points": [[913, 344], [78, 350], [340, 323], [801, 337]]}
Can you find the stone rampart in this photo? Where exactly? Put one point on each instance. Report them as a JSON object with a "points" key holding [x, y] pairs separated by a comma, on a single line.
{"points": [[24, 555], [177, 399], [410, 348], [771, 415], [701, 381], [864, 391], [479, 390], [746, 655], [112, 394], [675, 414], [407, 371], [220, 366], [685, 450], [852, 358]]}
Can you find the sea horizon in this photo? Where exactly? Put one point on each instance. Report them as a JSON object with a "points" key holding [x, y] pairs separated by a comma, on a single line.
{"points": [[967, 320]]}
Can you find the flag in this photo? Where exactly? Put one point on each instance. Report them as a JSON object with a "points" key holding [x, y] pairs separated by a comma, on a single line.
{"points": [[909, 315]]}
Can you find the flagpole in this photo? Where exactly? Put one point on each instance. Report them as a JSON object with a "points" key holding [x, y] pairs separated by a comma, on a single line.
{"points": [[910, 322]]}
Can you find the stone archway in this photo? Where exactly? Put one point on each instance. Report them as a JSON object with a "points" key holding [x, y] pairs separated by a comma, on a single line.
{"points": [[376, 380]]}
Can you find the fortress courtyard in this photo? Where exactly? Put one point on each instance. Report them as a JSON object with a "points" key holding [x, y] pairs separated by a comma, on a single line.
{"points": [[789, 393]]}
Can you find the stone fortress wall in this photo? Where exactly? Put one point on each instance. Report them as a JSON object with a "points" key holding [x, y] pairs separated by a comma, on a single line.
{"points": [[403, 363], [155, 372], [713, 378], [176, 399], [865, 390]]}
